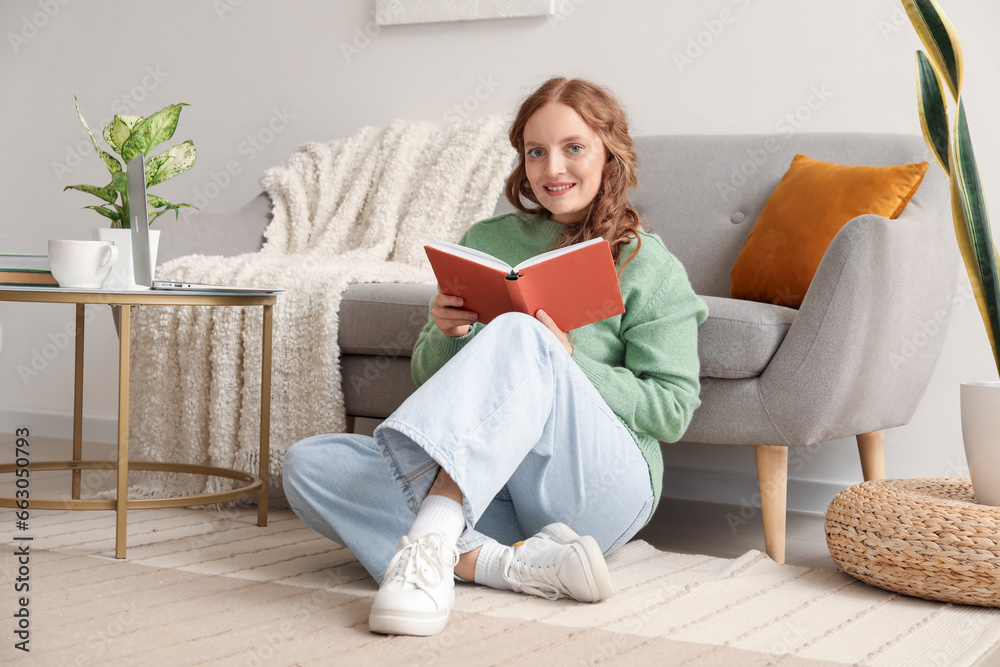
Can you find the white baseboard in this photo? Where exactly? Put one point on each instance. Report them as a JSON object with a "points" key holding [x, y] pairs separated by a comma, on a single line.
{"points": [[727, 488], [59, 425]]}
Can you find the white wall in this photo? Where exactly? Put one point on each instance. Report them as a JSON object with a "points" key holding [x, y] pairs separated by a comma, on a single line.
{"points": [[299, 71]]}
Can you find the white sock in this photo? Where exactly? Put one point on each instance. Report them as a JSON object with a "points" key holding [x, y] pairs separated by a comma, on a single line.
{"points": [[441, 515], [489, 566]]}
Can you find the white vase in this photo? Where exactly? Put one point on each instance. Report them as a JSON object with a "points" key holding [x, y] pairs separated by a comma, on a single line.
{"points": [[981, 434], [122, 277]]}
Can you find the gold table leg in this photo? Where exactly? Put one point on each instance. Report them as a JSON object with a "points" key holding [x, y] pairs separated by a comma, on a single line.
{"points": [[265, 416], [78, 399], [121, 504]]}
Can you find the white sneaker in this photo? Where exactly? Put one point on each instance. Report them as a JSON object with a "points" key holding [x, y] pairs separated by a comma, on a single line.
{"points": [[558, 563], [418, 591]]}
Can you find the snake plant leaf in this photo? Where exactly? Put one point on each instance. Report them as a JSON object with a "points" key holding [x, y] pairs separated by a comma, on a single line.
{"points": [[933, 111], [107, 193], [119, 129], [982, 262], [110, 161], [152, 131], [169, 163], [939, 38], [110, 214]]}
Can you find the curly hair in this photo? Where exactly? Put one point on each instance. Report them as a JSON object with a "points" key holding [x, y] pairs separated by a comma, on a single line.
{"points": [[611, 216]]}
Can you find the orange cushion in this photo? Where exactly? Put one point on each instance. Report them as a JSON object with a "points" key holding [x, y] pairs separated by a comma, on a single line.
{"points": [[811, 203]]}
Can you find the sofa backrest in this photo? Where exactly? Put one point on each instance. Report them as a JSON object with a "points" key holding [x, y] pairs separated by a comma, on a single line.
{"points": [[702, 193]]}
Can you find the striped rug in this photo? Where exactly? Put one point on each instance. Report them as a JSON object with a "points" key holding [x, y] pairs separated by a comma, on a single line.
{"points": [[210, 587]]}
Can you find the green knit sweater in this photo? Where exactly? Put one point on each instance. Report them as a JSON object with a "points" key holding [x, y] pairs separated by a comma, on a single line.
{"points": [[644, 363]]}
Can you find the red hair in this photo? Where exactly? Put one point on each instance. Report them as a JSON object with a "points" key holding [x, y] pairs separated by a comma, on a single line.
{"points": [[611, 216]]}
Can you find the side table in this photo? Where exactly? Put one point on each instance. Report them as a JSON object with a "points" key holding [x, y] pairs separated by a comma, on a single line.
{"points": [[253, 485], [922, 537]]}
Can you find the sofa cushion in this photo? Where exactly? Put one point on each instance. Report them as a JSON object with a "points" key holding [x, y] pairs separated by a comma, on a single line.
{"points": [[383, 318], [375, 386], [739, 337], [810, 204]]}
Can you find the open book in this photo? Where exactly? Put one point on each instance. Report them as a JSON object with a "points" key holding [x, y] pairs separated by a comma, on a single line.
{"points": [[575, 285]]}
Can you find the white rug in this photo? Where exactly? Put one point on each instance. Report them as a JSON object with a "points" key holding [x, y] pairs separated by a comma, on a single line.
{"points": [[207, 587]]}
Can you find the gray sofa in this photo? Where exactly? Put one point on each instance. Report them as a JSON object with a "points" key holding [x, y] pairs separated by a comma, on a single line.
{"points": [[772, 376]]}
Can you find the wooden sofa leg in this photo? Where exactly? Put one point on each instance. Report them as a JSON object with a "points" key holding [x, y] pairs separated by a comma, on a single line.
{"points": [[871, 447], [772, 478], [350, 423]]}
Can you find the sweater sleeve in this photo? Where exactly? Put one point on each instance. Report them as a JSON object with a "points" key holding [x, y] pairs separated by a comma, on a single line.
{"points": [[433, 350], [656, 392]]}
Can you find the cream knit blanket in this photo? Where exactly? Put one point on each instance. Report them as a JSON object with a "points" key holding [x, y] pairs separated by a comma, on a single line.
{"points": [[351, 211]]}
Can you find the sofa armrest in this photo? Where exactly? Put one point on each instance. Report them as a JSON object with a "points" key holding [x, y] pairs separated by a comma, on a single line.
{"points": [[861, 351], [196, 233]]}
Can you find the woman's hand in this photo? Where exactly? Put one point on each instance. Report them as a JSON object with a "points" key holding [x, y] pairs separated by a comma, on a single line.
{"points": [[449, 317], [544, 318]]}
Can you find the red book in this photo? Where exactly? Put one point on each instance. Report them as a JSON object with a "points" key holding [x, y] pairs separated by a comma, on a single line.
{"points": [[575, 285]]}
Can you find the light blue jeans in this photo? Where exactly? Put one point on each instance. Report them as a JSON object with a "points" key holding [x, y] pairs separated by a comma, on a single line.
{"points": [[515, 423]]}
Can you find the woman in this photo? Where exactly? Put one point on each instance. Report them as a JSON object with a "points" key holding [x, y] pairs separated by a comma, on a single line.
{"points": [[518, 433]]}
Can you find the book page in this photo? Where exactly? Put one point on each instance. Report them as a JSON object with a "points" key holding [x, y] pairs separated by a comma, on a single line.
{"points": [[23, 262], [471, 254], [575, 288], [537, 259], [483, 286]]}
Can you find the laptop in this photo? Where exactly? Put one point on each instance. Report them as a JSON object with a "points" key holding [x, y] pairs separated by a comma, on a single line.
{"points": [[139, 222]]}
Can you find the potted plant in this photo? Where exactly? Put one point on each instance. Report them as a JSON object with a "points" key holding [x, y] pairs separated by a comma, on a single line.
{"points": [[129, 136], [952, 149]]}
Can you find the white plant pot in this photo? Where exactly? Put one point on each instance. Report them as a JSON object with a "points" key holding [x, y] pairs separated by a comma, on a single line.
{"points": [[122, 277], [981, 434]]}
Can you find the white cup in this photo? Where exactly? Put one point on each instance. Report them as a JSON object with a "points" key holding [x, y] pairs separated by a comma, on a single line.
{"points": [[81, 264]]}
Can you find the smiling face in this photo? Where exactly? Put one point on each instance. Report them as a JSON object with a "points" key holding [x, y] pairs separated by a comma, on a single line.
{"points": [[563, 160]]}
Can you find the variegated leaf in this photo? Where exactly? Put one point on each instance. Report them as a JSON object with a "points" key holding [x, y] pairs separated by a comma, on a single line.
{"points": [[119, 182], [116, 132], [933, 111], [152, 131], [939, 38], [110, 161], [169, 163], [106, 193], [171, 207], [110, 214]]}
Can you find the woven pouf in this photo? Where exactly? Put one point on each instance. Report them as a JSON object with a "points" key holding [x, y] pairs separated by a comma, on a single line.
{"points": [[921, 537]]}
